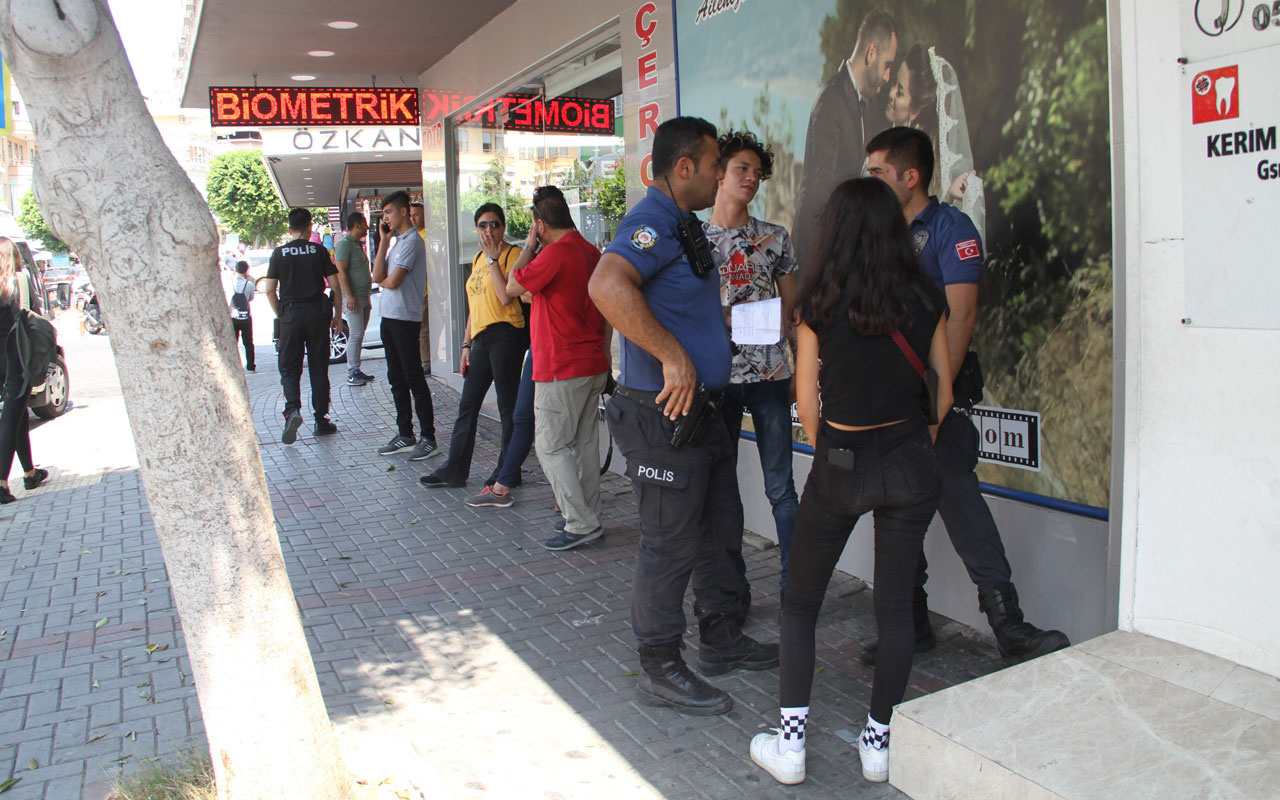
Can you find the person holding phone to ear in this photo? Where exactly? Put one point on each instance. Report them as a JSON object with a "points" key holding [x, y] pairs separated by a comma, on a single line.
{"points": [[400, 270], [493, 346], [862, 298]]}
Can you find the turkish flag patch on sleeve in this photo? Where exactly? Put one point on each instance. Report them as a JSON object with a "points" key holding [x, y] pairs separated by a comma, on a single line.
{"points": [[968, 250]]}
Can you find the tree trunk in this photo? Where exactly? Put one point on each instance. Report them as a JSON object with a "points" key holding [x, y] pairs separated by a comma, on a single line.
{"points": [[112, 191]]}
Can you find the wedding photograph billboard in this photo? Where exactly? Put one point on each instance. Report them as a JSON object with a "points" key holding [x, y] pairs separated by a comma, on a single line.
{"points": [[1014, 94]]}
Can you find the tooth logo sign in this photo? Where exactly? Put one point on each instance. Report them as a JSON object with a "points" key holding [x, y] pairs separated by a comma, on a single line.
{"points": [[1215, 95]]}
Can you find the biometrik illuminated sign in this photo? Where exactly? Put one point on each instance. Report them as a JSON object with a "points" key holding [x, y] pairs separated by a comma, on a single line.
{"points": [[253, 107]]}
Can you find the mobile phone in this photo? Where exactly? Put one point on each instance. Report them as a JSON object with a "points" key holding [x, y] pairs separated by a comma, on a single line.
{"points": [[839, 457]]}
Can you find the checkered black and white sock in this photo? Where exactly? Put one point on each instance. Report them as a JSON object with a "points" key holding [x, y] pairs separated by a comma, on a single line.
{"points": [[876, 735], [792, 728]]}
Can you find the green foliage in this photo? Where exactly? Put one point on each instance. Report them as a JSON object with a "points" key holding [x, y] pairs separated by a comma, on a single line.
{"points": [[519, 218], [32, 223], [494, 187], [188, 777], [1060, 138], [319, 217], [1056, 178], [579, 178], [493, 181], [242, 197], [610, 194]]}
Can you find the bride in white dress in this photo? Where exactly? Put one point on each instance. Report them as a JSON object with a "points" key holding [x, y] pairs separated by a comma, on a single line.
{"points": [[927, 96]]}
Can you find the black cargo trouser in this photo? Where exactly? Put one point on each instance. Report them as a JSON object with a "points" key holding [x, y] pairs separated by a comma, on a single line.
{"points": [[964, 510], [304, 328], [690, 520]]}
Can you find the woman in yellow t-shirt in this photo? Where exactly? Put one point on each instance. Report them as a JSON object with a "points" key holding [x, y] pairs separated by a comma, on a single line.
{"points": [[493, 346]]}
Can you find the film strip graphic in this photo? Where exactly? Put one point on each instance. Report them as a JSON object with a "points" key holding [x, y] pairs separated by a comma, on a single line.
{"points": [[1008, 437]]}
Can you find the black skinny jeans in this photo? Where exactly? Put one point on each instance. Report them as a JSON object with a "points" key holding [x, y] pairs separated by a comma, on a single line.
{"points": [[404, 375], [15, 423], [497, 354], [895, 476]]}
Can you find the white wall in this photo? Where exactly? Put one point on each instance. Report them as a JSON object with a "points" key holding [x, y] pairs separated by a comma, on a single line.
{"points": [[1201, 501]]}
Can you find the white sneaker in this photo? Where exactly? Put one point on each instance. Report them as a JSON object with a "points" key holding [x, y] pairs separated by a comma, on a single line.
{"points": [[785, 767], [875, 760]]}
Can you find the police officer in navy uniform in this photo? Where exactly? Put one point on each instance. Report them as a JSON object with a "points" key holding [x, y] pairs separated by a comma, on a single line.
{"points": [[950, 252], [675, 363], [301, 269]]}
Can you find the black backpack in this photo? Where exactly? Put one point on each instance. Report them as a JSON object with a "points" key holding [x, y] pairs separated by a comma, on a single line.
{"points": [[37, 345], [239, 305]]}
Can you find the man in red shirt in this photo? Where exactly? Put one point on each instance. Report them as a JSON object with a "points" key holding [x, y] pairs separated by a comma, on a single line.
{"points": [[569, 339]]}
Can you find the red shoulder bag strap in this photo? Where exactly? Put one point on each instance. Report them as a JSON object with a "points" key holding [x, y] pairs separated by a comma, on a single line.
{"points": [[901, 342]]}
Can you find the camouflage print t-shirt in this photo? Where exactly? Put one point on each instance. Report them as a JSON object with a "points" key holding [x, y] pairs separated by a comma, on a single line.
{"points": [[751, 259]]}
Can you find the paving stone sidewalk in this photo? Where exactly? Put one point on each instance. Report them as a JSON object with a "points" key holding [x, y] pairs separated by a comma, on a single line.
{"points": [[450, 647]]}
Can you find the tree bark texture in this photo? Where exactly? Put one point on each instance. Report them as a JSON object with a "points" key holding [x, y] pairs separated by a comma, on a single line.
{"points": [[113, 192]]}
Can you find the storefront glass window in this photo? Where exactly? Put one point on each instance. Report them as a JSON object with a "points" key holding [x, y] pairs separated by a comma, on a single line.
{"points": [[558, 127]]}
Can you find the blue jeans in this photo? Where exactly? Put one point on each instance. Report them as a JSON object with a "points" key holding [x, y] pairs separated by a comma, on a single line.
{"points": [[522, 433], [769, 403]]}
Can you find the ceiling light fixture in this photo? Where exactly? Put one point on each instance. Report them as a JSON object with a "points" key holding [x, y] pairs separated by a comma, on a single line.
{"points": [[302, 77], [343, 24], [320, 53]]}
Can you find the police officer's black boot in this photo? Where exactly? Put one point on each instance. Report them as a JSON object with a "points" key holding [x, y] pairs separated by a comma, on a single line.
{"points": [[925, 639], [724, 647], [1016, 637], [665, 680]]}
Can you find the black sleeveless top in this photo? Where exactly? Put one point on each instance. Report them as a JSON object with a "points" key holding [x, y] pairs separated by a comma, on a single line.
{"points": [[867, 380]]}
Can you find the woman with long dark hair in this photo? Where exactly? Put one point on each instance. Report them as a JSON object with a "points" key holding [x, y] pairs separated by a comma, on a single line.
{"points": [[493, 347], [862, 303], [14, 421]]}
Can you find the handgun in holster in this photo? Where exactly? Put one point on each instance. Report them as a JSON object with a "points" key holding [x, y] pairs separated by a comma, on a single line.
{"points": [[692, 426]]}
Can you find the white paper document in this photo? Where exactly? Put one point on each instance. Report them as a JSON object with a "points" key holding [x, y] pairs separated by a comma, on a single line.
{"points": [[758, 323]]}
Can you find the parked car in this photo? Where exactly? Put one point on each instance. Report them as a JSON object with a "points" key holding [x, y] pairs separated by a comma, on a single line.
{"points": [[51, 398], [59, 284]]}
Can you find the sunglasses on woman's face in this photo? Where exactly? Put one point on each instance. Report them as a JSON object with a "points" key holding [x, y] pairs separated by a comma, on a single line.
{"points": [[484, 223]]}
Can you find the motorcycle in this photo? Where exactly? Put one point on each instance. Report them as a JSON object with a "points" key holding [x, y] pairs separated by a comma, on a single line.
{"points": [[92, 320]]}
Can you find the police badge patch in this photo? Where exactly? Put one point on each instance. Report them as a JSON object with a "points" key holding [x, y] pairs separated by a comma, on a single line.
{"points": [[920, 238], [644, 237]]}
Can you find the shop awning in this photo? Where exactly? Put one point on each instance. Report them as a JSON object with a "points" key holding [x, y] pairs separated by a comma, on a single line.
{"points": [[229, 42]]}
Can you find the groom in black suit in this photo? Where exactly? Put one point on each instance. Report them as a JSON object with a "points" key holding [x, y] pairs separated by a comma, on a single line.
{"points": [[839, 125]]}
